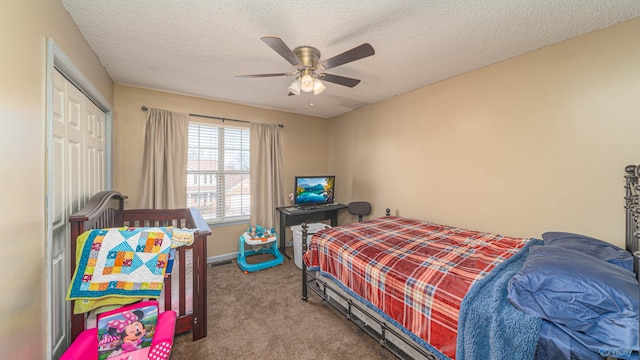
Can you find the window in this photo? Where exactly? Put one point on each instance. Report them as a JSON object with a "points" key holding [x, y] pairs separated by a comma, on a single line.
{"points": [[218, 172]]}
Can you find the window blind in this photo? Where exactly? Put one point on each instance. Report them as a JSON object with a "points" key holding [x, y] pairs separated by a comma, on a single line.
{"points": [[218, 172]]}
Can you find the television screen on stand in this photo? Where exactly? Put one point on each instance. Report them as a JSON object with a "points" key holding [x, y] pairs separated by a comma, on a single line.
{"points": [[314, 190]]}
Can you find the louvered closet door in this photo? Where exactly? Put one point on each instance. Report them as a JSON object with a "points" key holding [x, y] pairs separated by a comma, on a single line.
{"points": [[77, 172]]}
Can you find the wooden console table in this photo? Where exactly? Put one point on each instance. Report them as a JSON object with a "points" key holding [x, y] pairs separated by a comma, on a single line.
{"points": [[296, 215]]}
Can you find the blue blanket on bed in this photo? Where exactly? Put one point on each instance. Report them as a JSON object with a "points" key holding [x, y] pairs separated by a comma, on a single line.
{"points": [[489, 327]]}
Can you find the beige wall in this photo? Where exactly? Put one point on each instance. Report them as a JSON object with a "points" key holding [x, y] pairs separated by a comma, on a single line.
{"points": [[24, 28], [524, 146], [528, 145], [299, 132]]}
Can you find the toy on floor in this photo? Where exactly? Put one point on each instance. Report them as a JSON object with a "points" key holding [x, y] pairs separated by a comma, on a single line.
{"points": [[258, 236], [131, 332]]}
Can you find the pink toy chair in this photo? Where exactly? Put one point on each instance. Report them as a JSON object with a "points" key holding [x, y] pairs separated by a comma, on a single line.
{"points": [[85, 347]]}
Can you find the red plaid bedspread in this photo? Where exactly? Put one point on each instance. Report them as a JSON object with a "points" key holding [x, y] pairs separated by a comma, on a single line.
{"points": [[415, 272]]}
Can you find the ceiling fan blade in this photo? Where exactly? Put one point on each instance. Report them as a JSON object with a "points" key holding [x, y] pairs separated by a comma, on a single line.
{"points": [[263, 75], [348, 56], [281, 48], [340, 80]]}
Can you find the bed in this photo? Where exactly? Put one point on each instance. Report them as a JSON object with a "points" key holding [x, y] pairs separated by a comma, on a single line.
{"points": [[430, 291], [185, 290]]}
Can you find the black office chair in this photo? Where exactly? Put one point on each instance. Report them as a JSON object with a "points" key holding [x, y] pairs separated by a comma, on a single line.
{"points": [[359, 208]]}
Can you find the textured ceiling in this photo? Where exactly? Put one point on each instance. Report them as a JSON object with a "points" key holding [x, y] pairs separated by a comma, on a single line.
{"points": [[197, 47]]}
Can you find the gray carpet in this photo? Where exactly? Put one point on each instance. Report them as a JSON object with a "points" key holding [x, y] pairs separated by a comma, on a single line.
{"points": [[260, 316]]}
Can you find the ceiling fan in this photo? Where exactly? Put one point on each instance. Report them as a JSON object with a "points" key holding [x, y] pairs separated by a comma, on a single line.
{"points": [[310, 70]]}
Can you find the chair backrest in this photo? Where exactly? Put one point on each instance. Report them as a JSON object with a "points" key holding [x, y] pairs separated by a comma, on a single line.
{"points": [[359, 208]]}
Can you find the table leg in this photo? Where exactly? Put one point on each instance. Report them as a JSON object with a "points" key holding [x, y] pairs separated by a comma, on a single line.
{"points": [[334, 218], [283, 235]]}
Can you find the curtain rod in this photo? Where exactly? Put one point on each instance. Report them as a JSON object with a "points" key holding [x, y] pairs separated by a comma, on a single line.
{"points": [[144, 108]]}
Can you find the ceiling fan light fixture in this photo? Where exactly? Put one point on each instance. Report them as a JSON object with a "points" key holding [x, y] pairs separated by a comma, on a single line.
{"points": [[309, 68], [306, 83], [318, 87], [294, 88]]}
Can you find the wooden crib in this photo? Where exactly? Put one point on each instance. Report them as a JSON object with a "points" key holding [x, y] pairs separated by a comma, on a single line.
{"points": [[106, 210]]}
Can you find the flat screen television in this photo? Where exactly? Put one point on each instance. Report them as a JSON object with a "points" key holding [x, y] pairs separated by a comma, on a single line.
{"points": [[314, 190]]}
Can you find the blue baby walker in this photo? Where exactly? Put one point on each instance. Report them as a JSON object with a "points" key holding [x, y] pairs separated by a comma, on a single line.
{"points": [[258, 236]]}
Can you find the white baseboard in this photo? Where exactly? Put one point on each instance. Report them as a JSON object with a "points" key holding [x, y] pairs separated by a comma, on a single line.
{"points": [[221, 258]]}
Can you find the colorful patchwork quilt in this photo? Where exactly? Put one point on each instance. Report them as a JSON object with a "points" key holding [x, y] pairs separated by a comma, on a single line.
{"points": [[416, 273], [123, 262]]}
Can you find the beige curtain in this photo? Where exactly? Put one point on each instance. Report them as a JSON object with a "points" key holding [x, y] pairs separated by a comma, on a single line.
{"points": [[164, 164], [267, 190]]}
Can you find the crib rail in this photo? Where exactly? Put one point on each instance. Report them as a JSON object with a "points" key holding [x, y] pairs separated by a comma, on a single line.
{"points": [[106, 210], [182, 218]]}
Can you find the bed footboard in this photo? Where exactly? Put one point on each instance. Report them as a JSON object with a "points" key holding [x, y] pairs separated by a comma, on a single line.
{"points": [[106, 210]]}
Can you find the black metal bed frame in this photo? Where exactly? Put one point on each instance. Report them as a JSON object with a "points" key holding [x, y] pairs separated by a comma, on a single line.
{"points": [[325, 291], [632, 224]]}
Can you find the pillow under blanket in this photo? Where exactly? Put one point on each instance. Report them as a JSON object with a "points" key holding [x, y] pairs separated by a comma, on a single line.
{"points": [[587, 245], [586, 295]]}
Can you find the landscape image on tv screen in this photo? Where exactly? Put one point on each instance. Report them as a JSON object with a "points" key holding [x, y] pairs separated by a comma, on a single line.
{"points": [[314, 190]]}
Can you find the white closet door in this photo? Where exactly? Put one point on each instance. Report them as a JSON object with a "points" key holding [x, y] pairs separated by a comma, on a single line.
{"points": [[95, 150], [77, 172]]}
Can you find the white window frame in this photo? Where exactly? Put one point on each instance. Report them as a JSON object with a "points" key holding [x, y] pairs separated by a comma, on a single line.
{"points": [[221, 216]]}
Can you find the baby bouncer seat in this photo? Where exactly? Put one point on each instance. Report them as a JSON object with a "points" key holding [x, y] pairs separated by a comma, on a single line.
{"points": [[267, 240]]}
